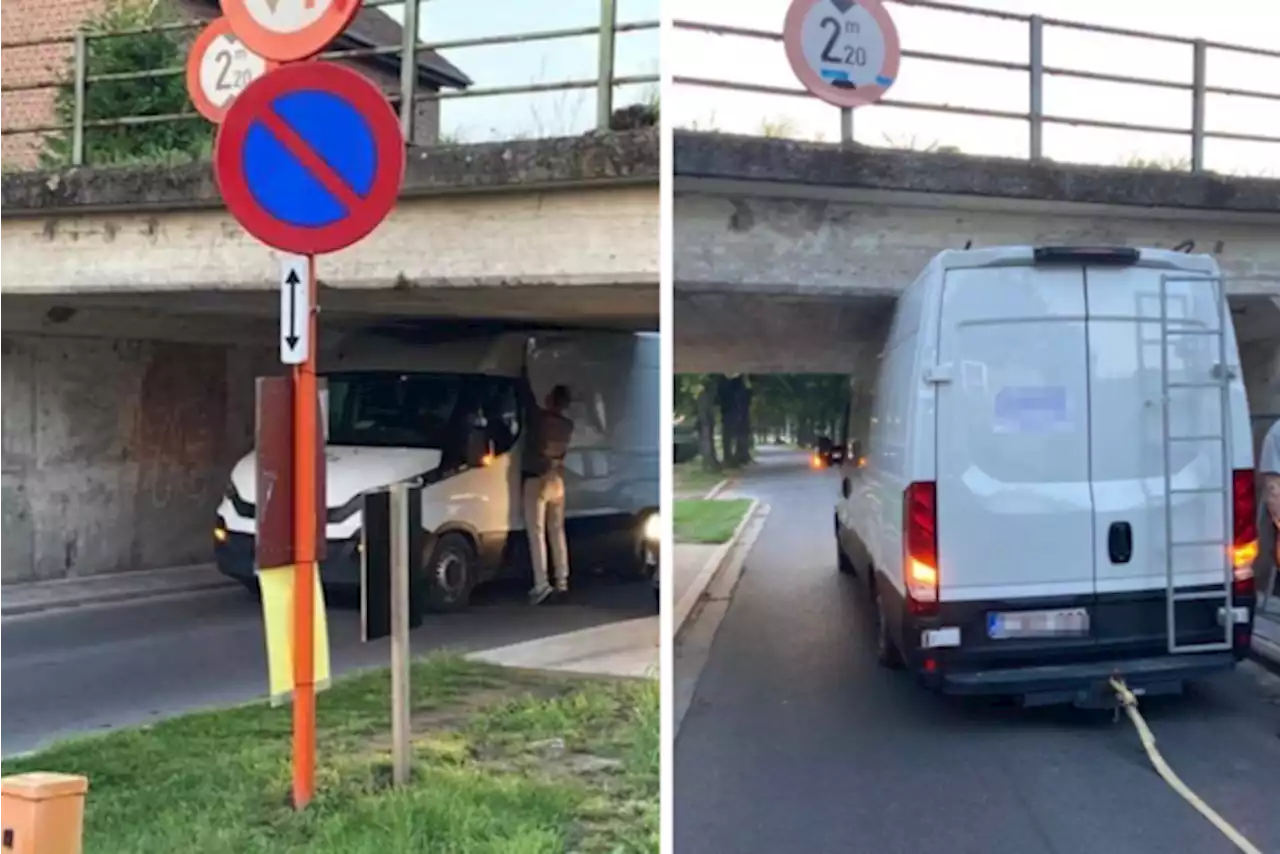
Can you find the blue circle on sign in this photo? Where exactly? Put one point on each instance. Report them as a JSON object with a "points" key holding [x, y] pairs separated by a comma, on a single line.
{"points": [[333, 131]]}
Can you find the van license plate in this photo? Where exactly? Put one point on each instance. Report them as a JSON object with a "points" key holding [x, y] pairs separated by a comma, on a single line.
{"points": [[1064, 622]]}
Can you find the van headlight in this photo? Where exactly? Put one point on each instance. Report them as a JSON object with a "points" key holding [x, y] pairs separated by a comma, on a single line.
{"points": [[652, 528]]}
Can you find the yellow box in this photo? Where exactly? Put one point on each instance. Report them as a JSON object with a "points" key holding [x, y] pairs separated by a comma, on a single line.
{"points": [[42, 813]]}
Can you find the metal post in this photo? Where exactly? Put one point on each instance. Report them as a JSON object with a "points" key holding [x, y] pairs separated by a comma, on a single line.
{"points": [[400, 633], [78, 84], [1197, 106], [604, 81], [1036, 56], [409, 69], [304, 549], [846, 126]]}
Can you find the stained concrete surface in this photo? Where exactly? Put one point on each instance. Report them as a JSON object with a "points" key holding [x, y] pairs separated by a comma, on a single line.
{"points": [[796, 740], [115, 452], [788, 255], [626, 157], [720, 156], [92, 669]]}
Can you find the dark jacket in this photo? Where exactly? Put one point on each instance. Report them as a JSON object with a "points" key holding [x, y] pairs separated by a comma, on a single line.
{"points": [[547, 442]]}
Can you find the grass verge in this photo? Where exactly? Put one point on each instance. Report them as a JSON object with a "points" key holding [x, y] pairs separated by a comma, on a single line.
{"points": [[712, 522], [692, 478], [506, 761]]}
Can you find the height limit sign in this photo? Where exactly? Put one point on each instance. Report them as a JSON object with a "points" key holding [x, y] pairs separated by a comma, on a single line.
{"points": [[844, 51], [295, 309]]}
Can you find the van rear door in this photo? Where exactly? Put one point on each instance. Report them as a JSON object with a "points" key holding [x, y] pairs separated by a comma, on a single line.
{"points": [[1015, 511], [1128, 454]]}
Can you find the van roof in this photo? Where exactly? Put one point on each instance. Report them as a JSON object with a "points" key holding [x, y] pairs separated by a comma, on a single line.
{"points": [[500, 354], [1014, 256]]}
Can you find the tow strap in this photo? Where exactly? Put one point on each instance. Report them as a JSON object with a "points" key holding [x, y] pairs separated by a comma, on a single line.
{"points": [[1129, 702]]}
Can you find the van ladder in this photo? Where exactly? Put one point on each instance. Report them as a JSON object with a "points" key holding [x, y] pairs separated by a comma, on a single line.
{"points": [[1221, 380]]}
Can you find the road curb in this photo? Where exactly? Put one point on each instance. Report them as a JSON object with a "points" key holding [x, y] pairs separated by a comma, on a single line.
{"points": [[1266, 653], [108, 597], [717, 489], [710, 570]]}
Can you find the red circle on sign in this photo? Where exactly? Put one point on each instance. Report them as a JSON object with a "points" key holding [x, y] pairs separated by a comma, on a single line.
{"points": [[287, 46], [254, 106], [195, 59], [842, 97]]}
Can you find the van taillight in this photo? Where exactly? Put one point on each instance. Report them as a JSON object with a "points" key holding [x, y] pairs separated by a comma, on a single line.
{"points": [[920, 547], [1244, 541]]}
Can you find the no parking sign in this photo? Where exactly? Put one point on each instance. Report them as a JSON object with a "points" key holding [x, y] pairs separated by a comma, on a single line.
{"points": [[310, 158]]}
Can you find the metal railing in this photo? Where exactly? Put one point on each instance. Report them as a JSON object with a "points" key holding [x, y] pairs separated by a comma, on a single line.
{"points": [[405, 95], [1037, 71]]}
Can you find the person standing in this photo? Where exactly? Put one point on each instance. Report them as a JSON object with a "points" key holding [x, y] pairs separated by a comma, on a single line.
{"points": [[1269, 468], [550, 431]]}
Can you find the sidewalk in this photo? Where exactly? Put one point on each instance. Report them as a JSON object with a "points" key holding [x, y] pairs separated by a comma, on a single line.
{"points": [[695, 566], [627, 648], [688, 561], [29, 598]]}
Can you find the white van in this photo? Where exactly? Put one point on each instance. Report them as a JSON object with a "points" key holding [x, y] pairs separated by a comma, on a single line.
{"points": [[1035, 496], [452, 413]]}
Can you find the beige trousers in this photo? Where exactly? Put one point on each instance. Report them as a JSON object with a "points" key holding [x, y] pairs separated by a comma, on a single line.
{"points": [[544, 519]]}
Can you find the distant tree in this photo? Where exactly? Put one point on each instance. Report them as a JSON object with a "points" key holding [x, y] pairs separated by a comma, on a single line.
{"points": [[695, 395], [635, 116], [180, 140], [1163, 162], [734, 393], [782, 127], [801, 406], [913, 143]]}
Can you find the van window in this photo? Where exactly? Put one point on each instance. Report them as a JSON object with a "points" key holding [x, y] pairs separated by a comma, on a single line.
{"points": [[860, 416], [501, 406], [393, 410]]}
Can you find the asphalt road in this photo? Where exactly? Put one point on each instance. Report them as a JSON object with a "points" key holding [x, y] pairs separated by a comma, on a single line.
{"points": [[97, 668], [797, 741]]}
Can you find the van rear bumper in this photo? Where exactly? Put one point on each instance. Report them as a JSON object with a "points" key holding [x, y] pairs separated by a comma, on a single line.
{"points": [[1127, 637], [1086, 682]]}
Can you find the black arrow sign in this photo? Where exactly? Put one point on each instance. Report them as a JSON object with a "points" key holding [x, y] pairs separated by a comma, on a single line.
{"points": [[292, 281]]}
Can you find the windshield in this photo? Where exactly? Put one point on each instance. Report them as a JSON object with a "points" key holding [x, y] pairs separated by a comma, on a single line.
{"points": [[394, 410]]}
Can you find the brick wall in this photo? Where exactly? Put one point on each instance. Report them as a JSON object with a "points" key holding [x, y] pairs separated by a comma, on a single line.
{"points": [[29, 20]]}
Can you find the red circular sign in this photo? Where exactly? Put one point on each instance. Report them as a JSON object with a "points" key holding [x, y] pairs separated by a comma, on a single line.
{"points": [[286, 30], [844, 51], [219, 67], [310, 158]]}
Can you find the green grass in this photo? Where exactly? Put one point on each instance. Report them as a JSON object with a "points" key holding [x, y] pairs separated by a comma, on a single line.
{"points": [[691, 477], [505, 761], [710, 522]]}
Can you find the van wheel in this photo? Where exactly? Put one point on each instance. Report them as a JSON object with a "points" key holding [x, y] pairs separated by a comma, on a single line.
{"points": [[843, 563], [887, 654], [451, 573]]}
